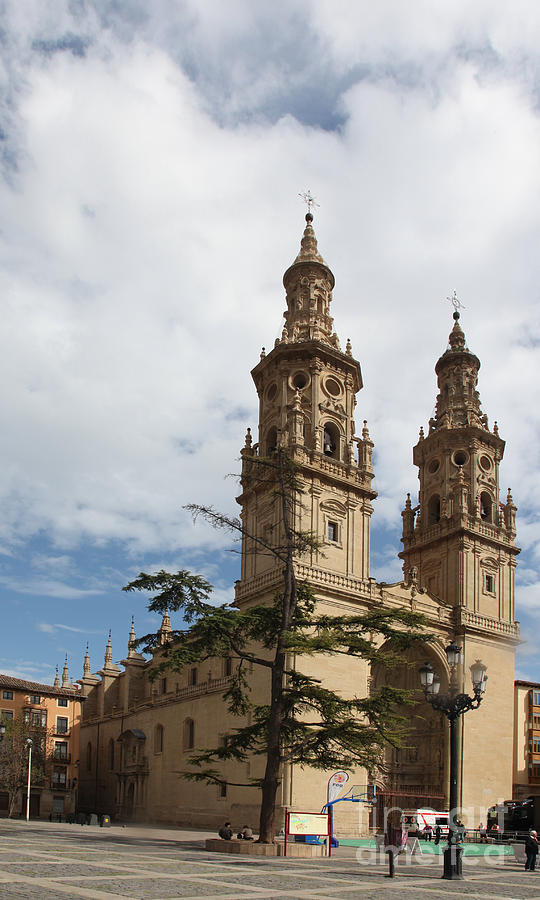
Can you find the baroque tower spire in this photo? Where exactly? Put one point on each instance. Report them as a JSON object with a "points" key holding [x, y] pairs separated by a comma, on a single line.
{"points": [[307, 390], [459, 539]]}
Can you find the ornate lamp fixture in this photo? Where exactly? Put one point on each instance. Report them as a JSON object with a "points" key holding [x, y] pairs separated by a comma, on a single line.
{"points": [[453, 705]]}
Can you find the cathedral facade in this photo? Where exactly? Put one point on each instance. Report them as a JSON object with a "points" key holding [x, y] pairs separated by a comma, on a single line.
{"points": [[458, 571]]}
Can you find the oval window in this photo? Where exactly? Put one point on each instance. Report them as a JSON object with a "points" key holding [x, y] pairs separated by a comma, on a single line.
{"points": [[333, 387], [271, 392], [460, 458], [433, 466], [485, 462]]}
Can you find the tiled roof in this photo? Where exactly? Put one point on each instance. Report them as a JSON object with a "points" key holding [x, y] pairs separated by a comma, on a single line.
{"points": [[18, 684]]}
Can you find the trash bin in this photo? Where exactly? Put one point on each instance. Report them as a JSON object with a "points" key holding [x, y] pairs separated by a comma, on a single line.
{"points": [[105, 822]]}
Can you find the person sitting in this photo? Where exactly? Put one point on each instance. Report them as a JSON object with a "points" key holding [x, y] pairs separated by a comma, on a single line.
{"points": [[226, 832], [247, 833]]}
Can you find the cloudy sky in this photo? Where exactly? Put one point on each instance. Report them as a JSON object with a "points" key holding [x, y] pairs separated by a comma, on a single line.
{"points": [[152, 153]]}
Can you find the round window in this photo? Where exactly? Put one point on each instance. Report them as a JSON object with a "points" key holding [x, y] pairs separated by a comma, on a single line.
{"points": [[299, 380], [460, 458], [433, 466], [333, 387], [486, 463]]}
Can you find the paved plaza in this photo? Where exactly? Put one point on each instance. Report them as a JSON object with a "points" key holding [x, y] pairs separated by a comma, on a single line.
{"points": [[44, 861]]}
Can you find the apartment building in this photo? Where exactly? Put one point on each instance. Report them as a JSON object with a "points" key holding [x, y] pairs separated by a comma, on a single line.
{"points": [[56, 709]]}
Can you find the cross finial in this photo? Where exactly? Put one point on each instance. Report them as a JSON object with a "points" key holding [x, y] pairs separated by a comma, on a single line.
{"points": [[456, 303], [309, 199]]}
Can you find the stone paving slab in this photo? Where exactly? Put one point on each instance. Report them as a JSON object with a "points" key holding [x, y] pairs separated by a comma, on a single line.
{"points": [[41, 861]]}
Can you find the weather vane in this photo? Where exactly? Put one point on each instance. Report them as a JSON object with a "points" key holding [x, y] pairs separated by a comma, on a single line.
{"points": [[308, 198], [457, 304]]}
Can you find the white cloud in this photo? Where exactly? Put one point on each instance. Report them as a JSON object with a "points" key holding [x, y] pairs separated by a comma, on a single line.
{"points": [[153, 158]]}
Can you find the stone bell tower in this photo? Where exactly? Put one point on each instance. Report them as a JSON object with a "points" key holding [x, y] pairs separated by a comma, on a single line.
{"points": [[458, 542], [307, 390]]}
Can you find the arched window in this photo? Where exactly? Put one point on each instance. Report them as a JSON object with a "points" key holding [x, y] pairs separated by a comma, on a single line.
{"points": [[434, 509], [331, 440], [227, 666], [158, 739], [89, 756], [111, 754], [189, 734], [486, 507], [271, 441]]}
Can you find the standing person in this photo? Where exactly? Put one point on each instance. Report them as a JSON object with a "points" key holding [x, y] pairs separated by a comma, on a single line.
{"points": [[225, 832], [428, 831], [531, 849], [438, 832], [483, 833]]}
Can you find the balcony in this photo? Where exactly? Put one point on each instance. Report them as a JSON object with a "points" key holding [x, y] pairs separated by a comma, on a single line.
{"points": [[61, 733]]}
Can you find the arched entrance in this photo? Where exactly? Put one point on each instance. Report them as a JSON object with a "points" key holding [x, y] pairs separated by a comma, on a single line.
{"points": [[414, 775]]}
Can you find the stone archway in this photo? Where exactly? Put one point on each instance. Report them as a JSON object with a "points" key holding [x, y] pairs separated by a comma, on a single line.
{"points": [[417, 770]]}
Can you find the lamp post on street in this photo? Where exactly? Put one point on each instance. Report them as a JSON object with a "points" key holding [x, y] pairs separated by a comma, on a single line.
{"points": [[29, 744], [453, 705]]}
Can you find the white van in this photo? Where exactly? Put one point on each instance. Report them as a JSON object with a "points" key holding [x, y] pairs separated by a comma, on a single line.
{"points": [[432, 817]]}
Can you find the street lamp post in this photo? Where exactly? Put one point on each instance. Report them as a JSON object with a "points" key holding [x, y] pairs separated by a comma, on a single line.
{"points": [[453, 705], [29, 743]]}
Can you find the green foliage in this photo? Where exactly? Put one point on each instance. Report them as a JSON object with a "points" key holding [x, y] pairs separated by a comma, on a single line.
{"points": [[14, 757], [320, 728]]}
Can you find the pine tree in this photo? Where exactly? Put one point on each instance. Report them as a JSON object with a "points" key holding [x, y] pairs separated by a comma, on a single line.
{"points": [[303, 722]]}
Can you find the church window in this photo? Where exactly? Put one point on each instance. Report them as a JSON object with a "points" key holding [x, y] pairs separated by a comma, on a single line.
{"points": [[434, 509], [89, 756], [189, 734], [111, 754], [271, 441], [158, 739], [223, 790], [486, 507], [433, 466], [489, 583], [299, 381], [193, 676], [333, 531], [485, 463], [460, 458], [163, 685], [227, 666], [330, 441], [333, 387]]}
